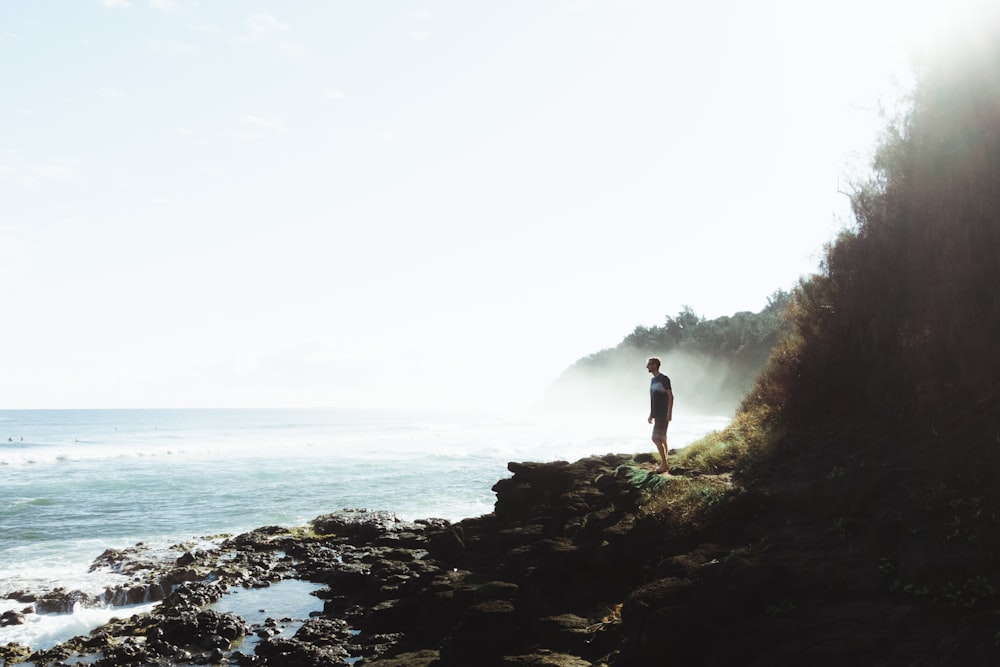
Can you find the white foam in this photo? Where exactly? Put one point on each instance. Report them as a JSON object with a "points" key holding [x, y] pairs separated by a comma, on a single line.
{"points": [[43, 631]]}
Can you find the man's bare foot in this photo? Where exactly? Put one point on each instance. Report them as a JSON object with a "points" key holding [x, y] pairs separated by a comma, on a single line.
{"points": [[662, 470]]}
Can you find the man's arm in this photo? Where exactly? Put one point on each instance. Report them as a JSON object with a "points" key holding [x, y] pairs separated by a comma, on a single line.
{"points": [[670, 404], [652, 407]]}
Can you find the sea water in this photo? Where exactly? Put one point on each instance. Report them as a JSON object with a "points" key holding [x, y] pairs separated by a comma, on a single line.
{"points": [[77, 482]]}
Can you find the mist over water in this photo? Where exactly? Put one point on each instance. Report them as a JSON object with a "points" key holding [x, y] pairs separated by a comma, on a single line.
{"points": [[614, 383]]}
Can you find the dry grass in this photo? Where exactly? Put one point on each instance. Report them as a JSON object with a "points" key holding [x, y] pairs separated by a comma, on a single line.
{"points": [[684, 501], [741, 443]]}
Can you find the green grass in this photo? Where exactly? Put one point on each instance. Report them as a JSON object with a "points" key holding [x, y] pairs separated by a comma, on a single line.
{"points": [[732, 449], [705, 469]]}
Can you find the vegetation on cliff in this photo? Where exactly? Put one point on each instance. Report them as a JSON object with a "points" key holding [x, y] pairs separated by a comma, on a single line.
{"points": [[902, 321], [863, 462]]}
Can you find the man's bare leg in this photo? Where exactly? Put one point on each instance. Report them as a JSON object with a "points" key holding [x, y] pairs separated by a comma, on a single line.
{"points": [[661, 447]]}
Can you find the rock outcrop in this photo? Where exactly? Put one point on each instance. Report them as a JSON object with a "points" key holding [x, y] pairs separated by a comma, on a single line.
{"points": [[571, 569]]}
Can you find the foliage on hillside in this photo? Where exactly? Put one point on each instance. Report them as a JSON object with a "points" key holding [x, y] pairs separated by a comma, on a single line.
{"points": [[890, 360], [864, 460], [903, 320], [712, 363], [744, 339]]}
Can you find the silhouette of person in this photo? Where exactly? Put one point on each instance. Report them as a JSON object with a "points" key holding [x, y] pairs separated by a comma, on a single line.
{"points": [[661, 409]]}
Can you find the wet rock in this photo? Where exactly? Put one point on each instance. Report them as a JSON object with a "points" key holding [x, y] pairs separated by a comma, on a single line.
{"points": [[423, 658], [362, 523], [111, 559], [349, 579], [57, 654], [61, 601], [448, 544], [486, 629], [269, 629], [190, 558], [324, 632], [11, 618], [521, 584], [13, 653], [265, 539], [244, 660], [394, 614], [544, 659], [194, 595], [21, 596], [129, 652], [296, 653], [206, 629], [565, 632]]}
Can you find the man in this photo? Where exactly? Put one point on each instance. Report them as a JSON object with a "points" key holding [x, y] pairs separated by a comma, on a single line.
{"points": [[661, 409]]}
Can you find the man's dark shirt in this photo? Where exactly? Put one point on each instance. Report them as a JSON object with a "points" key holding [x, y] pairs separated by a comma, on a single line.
{"points": [[659, 399]]}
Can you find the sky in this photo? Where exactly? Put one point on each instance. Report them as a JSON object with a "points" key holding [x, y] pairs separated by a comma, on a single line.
{"points": [[409, 202]]}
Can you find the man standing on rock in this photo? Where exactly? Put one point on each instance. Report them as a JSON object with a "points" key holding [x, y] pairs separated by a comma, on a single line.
{"points": [[661, 409]]}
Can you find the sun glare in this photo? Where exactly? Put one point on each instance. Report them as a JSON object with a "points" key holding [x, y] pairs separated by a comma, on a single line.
{"points": [[930, 31]]}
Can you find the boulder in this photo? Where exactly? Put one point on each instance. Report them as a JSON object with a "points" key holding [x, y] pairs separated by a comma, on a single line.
{"points": [[359, 523], [12, 618], [296, 653]]}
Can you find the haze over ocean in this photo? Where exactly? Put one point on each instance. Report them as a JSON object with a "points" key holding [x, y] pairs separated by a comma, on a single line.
{"points": [[295, 204]]}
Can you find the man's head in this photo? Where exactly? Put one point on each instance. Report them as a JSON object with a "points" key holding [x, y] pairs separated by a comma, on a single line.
{"points": [[653, 365]]}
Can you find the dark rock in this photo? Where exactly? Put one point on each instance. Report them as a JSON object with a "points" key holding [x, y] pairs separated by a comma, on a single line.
{"points": [[348, 579], [447, 545], [186, 558], [569, 571], [196, 594], [13, 653], [544, 659], [389, 615], [423, 658], [359, 523], [265, 539], [324, 632], [207, 629], [61, 601], [12, 618], [565, 632], [244, 660], [295, 653], [495, 590], [129, 652], [21, 596], [486, 629]]}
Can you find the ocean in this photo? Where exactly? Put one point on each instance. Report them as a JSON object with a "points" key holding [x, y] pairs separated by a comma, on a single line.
{"points": [[77, 482]]}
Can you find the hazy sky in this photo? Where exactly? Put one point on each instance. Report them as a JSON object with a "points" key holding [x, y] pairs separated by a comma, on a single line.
{"points": [[320, 203]]}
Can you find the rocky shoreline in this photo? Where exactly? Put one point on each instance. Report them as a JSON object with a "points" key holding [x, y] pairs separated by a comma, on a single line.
{"points": [[540, 581], [577, 565]]}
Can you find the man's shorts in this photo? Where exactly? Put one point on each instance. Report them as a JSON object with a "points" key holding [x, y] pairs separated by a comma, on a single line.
{"points": [[660, 428]]}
